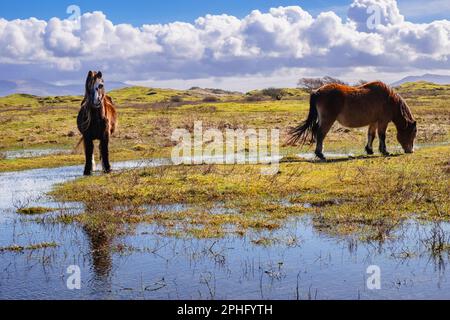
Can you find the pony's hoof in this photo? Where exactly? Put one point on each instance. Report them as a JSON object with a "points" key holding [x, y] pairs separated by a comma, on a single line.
{"points": [[87, 173], [321, 157], [107, 171], [386, 154], [369, 151]]}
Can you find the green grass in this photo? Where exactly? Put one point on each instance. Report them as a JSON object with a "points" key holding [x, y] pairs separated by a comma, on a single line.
{"points": [[23, 100]]}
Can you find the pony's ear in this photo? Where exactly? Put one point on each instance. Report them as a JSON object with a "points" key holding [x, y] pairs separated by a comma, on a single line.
{"points": [[99, 75], [88, 79]]}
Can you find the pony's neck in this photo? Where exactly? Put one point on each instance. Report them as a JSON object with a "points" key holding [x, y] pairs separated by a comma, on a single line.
{"points": [[399, 121], [402, 116], [96, 114]]}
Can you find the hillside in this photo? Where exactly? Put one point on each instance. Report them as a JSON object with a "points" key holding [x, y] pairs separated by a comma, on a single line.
{"points": [[433, 78], [43, 89]]}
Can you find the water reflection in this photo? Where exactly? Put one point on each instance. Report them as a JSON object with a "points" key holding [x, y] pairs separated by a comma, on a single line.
{"points": [[300, 261], [306, 259], [100, 246]]}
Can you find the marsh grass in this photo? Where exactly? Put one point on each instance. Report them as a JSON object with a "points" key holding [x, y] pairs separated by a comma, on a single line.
{"points": [[438, 241], [366, 196], [34, 210], [31, 247]]}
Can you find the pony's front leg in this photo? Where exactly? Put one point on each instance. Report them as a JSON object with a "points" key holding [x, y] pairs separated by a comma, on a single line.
{"points": [[382, 135], [88, 152], [371, 137], [104, 150]]}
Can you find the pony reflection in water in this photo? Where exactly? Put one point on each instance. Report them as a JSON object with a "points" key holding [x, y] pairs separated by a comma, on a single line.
{"points": [[373, 104], [97, 120]]}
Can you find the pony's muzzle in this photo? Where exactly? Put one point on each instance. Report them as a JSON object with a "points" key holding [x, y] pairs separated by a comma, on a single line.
{"points": [[409, 150]]}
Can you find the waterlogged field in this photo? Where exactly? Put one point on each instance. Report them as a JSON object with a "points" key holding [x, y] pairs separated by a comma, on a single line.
{"points": [[362, 195], [154, 230]]}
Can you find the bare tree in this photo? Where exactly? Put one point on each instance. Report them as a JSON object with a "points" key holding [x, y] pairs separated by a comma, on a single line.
{"points": [[360, 83], [329, 80], [314, 83], [310, 83]]}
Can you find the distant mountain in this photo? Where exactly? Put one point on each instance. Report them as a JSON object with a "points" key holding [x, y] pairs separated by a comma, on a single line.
{"points": [[41, 88], [434, 78]]}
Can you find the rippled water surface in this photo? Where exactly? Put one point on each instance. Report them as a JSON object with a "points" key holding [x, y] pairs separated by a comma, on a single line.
{"points": [[299, 262]]}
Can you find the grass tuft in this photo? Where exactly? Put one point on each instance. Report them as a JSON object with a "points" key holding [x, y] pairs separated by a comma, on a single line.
{"points": [[32, 247]]}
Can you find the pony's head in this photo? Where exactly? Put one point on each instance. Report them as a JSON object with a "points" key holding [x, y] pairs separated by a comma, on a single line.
{"points": [[405, 123], [95, 89], [407, 135]]}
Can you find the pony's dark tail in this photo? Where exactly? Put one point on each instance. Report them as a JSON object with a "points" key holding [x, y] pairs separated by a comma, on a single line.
{"points": [[310, 126], [78, 145]]}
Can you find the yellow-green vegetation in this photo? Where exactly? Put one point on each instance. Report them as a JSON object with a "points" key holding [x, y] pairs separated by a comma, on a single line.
{"points": [[368, 196], [34, 210], [430, 105], [31, 247], [147, 118]]}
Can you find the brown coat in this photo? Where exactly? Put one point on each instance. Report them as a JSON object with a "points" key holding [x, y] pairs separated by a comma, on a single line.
{"points": [[373, 104]]}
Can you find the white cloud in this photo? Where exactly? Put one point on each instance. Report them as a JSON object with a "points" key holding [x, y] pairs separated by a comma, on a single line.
{"points": [[60, 40], [224, 46], [361, 10]]}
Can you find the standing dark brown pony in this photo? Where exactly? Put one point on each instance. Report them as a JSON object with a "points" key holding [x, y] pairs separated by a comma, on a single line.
{"points": [[373, 104], [96, 120]]}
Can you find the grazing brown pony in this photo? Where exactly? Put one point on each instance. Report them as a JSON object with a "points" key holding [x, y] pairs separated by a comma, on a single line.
{"points": [[97, 120], [373, 104]]}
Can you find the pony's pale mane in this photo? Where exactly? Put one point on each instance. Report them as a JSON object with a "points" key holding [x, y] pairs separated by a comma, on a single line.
{"points": [[87, 88], [85, 103]]}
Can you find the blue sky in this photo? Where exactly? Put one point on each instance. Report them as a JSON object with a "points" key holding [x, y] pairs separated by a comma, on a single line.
{"points": [[138, 12], [285, 40]]}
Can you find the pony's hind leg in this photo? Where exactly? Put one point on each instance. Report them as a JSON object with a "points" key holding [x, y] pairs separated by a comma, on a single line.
{"points": [[322, 131], [94, 165], [371, 137], [382, 127]]}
